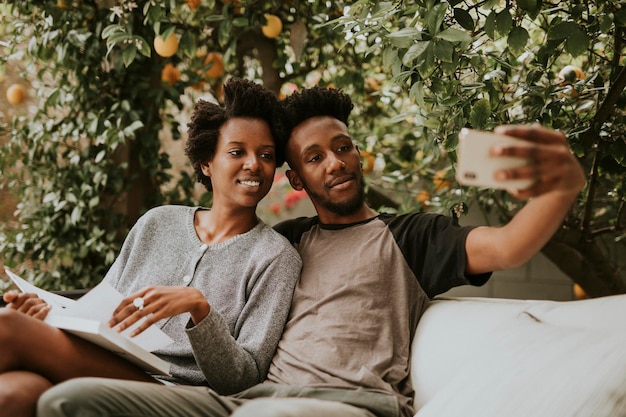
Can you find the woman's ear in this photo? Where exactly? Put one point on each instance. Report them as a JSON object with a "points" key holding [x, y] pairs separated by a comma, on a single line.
{"points": [[294, 180], [206, 169]]}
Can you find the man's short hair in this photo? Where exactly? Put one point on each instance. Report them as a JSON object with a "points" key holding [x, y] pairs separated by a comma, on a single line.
{"points": [[242, 98], [312, 102]]}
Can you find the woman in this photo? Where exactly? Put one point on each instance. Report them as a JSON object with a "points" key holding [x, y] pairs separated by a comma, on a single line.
{"points": [[219, 282]]}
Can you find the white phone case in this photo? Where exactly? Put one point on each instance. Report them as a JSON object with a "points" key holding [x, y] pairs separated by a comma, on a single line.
{"points": [[475, 165]]}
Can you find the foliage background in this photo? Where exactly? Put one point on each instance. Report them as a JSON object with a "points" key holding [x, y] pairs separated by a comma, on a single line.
{"points": [[89, 158]]}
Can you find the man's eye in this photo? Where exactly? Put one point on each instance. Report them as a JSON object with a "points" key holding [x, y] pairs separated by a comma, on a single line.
{"points": [[344, 148], [314, 158]]}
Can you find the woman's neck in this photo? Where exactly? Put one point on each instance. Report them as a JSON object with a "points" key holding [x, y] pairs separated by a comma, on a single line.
{"points": [[216, 226]]}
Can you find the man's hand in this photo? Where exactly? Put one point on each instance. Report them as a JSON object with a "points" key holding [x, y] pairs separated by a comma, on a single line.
{"points": [[553, 167], [27, 303], [558, 178]]}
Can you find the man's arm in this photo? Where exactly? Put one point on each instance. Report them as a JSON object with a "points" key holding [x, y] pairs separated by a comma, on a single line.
{"points": [[558, 180]]}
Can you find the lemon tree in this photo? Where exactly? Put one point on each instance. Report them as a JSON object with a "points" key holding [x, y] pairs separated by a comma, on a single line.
{"points": [[417, 71], [108, 85], [455, 64]]}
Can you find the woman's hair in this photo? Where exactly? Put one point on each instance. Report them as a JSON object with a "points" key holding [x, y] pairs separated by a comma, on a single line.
{"points": [[242, 98], [312, 102]]}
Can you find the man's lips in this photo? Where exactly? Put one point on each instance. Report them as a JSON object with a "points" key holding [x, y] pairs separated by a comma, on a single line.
{"points": [[341, 182]]}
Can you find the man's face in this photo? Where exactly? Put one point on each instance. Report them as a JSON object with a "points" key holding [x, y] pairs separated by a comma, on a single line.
{"points": [[327, 165]]}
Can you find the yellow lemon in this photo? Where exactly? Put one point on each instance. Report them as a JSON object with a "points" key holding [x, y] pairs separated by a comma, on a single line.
{"points": [[16, 94], [273, 27], [167, 47]]}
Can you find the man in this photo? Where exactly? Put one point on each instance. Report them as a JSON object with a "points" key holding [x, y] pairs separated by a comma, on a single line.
{"points": [[365, 281]]}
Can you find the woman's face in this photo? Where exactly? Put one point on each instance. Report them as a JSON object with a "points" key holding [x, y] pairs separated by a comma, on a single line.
{"points": [[242, 170]]}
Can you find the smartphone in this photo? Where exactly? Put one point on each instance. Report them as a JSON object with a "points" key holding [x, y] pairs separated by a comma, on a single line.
{"points": [[475, 165]]}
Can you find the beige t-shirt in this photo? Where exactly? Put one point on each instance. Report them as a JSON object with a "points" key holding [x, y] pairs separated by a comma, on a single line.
{"points": [[358, 301]]}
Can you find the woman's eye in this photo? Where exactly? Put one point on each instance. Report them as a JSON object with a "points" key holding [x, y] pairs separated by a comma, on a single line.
{"points": [[268, 156], [236, 152]]}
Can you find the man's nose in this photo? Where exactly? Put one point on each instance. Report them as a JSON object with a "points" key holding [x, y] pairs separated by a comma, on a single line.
{"points": [[335, 163]]}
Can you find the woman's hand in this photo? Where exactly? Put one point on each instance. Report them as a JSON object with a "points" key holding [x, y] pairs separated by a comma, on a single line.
{"points": [[156, 303], [27, 303]]}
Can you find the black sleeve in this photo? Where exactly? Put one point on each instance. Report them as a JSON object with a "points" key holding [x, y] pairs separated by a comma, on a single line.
{"points": [[294, 229], [434, 248]]}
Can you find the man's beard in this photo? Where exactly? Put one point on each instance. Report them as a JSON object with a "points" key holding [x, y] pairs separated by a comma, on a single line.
{"points": [[344, 208]]}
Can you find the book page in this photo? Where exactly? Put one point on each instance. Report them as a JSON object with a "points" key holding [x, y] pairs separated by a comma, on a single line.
{"points": [[57, 302], [98, 304]]}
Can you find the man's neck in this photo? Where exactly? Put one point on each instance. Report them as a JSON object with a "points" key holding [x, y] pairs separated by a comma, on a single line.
{"points": [[364, 213]]}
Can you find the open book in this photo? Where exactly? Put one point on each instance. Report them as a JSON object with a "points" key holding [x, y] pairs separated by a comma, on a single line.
{"points": [[87, 317]]}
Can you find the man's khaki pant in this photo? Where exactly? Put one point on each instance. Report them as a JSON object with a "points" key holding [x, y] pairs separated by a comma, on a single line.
{"points": [[99, 397]]}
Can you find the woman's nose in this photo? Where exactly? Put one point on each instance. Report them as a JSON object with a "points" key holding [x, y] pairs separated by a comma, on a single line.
{"points": [[252, 163]]}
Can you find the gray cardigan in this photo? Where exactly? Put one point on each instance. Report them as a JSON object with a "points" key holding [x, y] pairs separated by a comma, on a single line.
{"points": [[248, 281]]}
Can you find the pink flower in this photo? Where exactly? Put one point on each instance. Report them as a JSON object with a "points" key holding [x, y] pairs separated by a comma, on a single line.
{"points": [[275, 208], [293, 196]]}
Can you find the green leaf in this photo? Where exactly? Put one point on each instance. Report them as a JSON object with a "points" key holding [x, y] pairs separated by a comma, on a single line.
{"points": [[562, 30], [517, 40], [390, 57], [417, 93], [434, 18], [100, 156], [119, 37], [444, 50], [224, 32], [214, 18], [480, 114], [464, 19], [528, 5], [504, 22], [455, 35], [241, 22], [144, 46], [415, 52], [112, 29], [187, 44], [577, 43], [490, 25], [403, 38], [167, 32], [129, 54], [427, 65]]}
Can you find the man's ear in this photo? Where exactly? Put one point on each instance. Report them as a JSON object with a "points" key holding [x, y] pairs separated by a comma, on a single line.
{"points": [[294, 180], [206, 169]]}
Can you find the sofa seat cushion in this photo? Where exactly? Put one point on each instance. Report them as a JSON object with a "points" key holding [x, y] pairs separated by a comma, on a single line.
{"points": [[532, 368], [453, 330]]}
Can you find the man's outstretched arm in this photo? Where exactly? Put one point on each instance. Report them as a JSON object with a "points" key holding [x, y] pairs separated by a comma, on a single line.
{"points": [[558, 178]]}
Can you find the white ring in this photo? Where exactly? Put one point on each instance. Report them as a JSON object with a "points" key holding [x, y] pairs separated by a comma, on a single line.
{"points": [[138, 302]]}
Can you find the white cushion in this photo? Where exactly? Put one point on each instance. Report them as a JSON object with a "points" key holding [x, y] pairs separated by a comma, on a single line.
{"points": [[539, 370], [453, 329], [448, 333], [594, 313]]}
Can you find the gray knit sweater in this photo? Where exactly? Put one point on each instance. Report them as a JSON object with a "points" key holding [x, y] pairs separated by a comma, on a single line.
{"points": [[248, 281]]}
